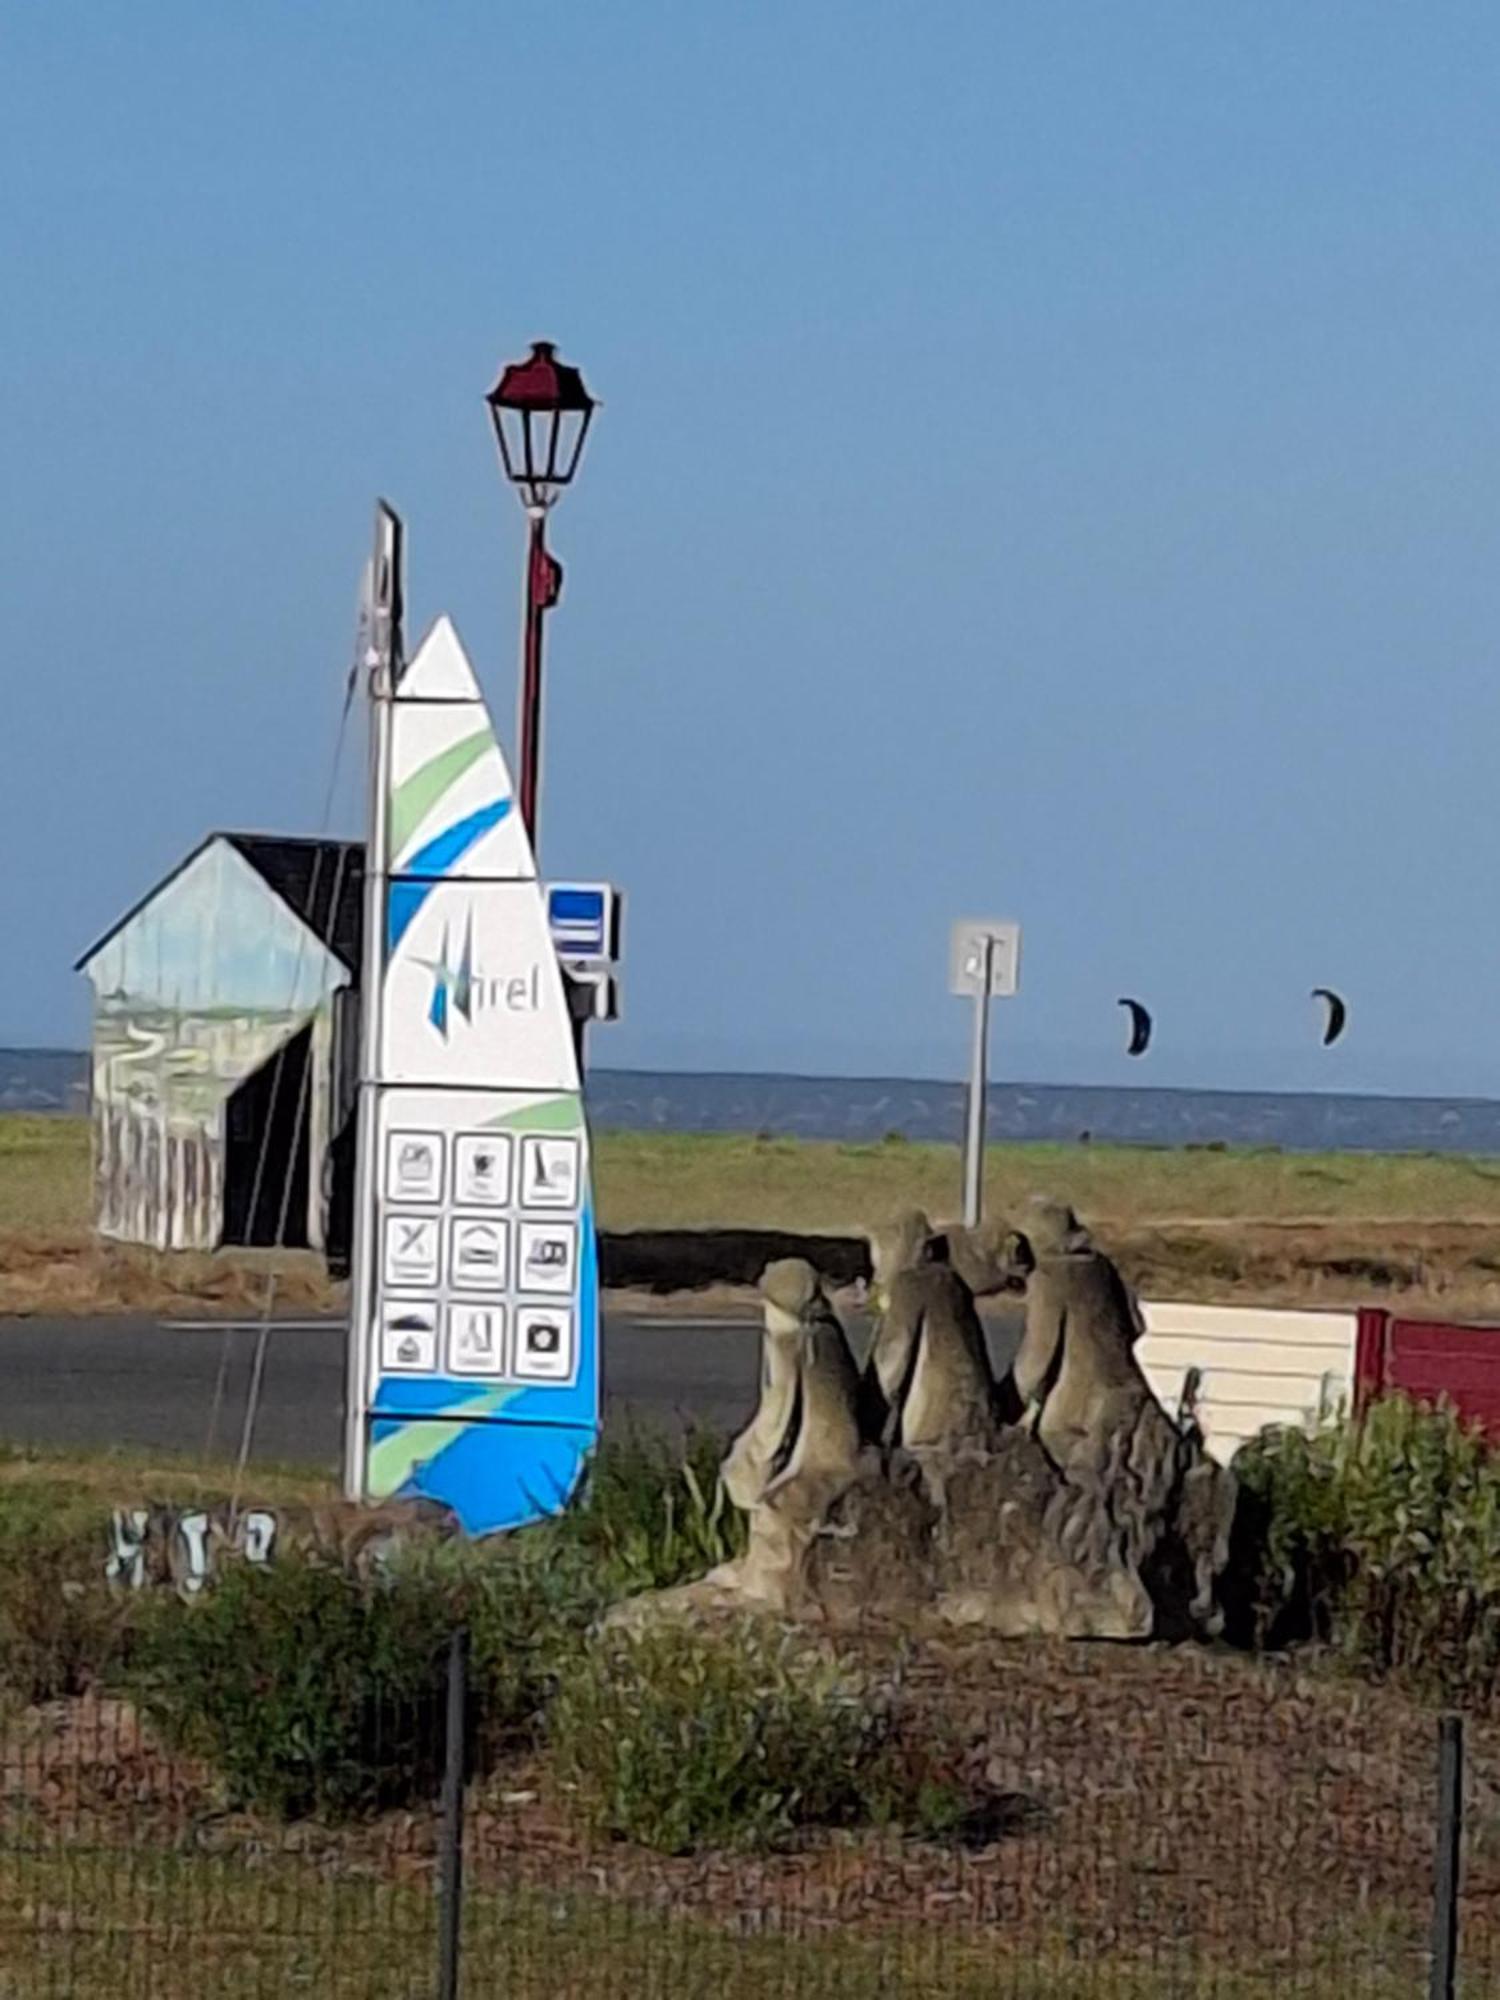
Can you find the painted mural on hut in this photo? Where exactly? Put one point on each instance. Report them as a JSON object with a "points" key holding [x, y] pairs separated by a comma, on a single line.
{"points": [[209, 981]]}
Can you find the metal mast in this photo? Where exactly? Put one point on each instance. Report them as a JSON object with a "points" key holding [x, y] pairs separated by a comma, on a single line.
{"points": [[380, 662]]}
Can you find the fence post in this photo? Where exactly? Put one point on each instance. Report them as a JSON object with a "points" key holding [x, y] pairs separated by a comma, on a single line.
{"points": [[1450, 1826], [451, 1856]]}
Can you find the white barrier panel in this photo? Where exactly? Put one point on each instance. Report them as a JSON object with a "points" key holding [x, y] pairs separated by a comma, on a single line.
{"points": [[1255, 1366]]}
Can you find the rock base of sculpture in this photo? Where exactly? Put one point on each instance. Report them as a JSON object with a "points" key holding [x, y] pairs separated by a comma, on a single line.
{"points": [[1018, 1550], [1001, 1541]]}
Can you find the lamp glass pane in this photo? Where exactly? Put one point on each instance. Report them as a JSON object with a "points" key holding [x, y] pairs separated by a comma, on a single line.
{"points": [[512, 433], [569, 443]]}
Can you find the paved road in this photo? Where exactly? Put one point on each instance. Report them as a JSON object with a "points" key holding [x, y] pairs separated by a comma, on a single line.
{"points": [[150, 1384]]}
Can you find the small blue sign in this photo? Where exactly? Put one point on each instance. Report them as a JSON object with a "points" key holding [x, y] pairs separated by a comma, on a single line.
{"points": [[584, 920]]}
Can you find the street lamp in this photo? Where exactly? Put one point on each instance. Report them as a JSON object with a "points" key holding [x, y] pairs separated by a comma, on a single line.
{"points": [[541, 413]]}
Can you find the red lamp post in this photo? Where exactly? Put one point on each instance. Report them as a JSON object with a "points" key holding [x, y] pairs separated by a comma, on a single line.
{"points": [[541, 412]]}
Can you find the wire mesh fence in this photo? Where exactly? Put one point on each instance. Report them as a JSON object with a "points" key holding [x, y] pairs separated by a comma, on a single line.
{"points": [[1171, 1828]]}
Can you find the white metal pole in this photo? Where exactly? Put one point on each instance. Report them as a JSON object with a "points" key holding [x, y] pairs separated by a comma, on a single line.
{"points": [[381, 640], [978, 1082]]}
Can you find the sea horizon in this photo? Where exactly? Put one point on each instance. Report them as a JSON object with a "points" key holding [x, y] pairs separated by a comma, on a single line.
{"points": [[862, 1109]]}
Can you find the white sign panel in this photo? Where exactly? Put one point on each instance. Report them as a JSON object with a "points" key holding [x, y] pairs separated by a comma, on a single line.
{"points": [[447, 774], [544, 1344], [475, 1264], [481, 1169], [547, 1259], [473, 991], [414, 1166], [412, 1250], [966, 955], [505, 1237], [476, 1338], [408, 1336], [551, 1171], [481, 1254]]}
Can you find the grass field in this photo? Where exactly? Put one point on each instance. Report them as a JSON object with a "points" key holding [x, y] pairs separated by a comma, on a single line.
{"points": [[1191, 1221], [656, 1180], [650, 1180], [79, 1488], [197, 1928]]}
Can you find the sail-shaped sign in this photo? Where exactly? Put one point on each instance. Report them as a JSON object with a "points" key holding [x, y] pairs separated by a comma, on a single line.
{"points": [[477, 1317]]}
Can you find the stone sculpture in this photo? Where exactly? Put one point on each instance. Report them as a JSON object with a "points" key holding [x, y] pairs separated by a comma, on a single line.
{"points": [[1141, 1491], [832, 1534], [1141, 1488], [897, 1245], [928, 1381], [806, 1425], [749, 1467], [985, 1255], [914, 1494], [990, 1257], [1076, 1367]]}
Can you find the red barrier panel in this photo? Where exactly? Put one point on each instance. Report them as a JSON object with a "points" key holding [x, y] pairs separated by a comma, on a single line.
{"points": [[1431, 1361], [1369, 1356]]}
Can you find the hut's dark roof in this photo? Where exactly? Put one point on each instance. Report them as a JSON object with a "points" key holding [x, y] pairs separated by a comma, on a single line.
{"points": [[321, 881]]}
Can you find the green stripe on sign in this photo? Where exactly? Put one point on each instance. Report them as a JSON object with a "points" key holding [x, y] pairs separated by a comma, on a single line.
{"points": [[553, 1114], [414, 798], [394, 1459]]}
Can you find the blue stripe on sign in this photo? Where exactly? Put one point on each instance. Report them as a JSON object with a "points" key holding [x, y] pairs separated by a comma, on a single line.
{"points": [[402, 903], [576, 906], [451, 845], [407, 896]]}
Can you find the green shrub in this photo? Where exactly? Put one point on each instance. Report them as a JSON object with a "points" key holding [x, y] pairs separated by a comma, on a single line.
{"points": [[526, 1607], [650, 1514], [1291, 1491], [1382, 1538], [308, 1689], [61, 1627], [682, 1741]]}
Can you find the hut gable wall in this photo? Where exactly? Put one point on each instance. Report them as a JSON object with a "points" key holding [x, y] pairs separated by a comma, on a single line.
{"points": [[193, 993]]}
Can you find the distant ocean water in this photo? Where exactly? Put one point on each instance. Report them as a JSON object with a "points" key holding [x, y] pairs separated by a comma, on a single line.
{"points": [[43, 1080], [866, 1108]]}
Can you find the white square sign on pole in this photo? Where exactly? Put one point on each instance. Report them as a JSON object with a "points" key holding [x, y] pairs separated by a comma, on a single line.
{"points": [[966, 953]]}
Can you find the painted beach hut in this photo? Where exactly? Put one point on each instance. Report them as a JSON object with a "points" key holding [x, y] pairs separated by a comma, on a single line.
{"points": [[224, 1052]]}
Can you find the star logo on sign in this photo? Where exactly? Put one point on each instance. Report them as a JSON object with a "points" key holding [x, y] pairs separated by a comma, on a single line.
{"points": [[452, 987]]}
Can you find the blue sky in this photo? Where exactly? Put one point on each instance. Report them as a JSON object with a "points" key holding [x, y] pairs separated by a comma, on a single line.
{"points": [[1048, 466]]}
